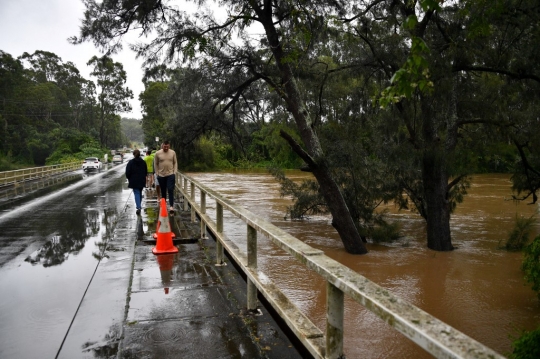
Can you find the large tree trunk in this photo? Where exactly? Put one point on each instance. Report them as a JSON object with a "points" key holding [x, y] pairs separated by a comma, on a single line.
{"points": [[341, 217], [313, 153], [435, 180], [102, 125]]}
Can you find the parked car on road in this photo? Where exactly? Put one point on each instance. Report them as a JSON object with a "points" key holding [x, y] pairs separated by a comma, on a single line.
{"points": [[92, 163], [118, 159]]}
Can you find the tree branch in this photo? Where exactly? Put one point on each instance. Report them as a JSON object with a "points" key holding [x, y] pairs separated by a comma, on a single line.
{"points": [[298, 149], [515, 75], [455, 181]]}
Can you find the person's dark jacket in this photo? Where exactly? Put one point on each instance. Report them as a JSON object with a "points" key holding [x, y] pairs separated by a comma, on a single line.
{"points": [[136, 173]]}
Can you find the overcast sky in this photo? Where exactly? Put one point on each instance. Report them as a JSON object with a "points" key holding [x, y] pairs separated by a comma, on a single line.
{"points": [[30, 25]]}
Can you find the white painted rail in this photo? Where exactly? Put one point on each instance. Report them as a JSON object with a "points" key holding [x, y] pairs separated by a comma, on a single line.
{"points": [[436, 337], [27, 174]]}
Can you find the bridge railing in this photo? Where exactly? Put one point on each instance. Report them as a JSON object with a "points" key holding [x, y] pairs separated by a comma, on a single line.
{"points": [[436, 337], [27, 174]]}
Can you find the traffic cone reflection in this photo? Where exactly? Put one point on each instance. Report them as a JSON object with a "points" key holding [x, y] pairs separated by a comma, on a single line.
{"points": [[164, 235], [166, 263]]}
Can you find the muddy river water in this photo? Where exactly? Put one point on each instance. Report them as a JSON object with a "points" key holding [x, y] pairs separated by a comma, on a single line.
{"points": [[477, 288]]}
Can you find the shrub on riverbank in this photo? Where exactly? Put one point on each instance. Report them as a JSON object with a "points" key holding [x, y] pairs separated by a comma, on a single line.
{"points": [[527, 346], [531, 265], [520, 234]]}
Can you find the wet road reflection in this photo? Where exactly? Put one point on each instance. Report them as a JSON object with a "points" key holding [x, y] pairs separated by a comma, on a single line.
{"points": [[166, 263], [49, 249]]}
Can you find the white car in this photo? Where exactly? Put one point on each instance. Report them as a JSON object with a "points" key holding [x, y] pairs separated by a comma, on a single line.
{"points": [[92, 163], [117, 159]]}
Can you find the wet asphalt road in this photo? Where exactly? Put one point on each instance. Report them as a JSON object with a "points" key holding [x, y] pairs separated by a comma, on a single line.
{"points": [[50, 247]]}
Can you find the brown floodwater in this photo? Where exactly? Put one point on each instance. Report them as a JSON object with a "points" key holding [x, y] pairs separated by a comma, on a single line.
{"points": [[477, 288]]}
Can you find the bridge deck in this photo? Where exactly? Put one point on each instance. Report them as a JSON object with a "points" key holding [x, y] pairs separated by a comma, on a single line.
{"points": [[183, 305]]}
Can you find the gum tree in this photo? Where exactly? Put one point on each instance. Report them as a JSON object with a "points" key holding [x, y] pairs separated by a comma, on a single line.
{"points": [[113, 96]]}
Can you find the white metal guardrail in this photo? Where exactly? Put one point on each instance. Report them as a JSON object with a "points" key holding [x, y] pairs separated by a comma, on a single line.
{"points": [[436, 337], [27, 174]]}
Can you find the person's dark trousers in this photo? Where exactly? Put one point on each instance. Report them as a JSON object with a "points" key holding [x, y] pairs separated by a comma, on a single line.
{"points": [[166, 185]]}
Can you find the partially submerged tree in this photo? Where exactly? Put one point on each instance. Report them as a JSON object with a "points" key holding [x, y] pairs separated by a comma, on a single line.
{"points": [[433, 54]]}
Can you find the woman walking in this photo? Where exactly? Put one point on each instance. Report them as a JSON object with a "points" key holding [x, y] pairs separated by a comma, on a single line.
{"points": [[136, 174]]}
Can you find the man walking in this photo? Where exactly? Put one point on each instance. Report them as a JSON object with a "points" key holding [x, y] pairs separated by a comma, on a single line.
{"points": [[166, 166]]}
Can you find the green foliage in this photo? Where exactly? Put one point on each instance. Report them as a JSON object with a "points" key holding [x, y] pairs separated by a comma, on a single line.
{"points": [[494, 157], [307, 199], [68, 146], [520, 234], [48, 110], [527, 346], [40, 149], [381, 231], [153, 120], [206, 156], [92, 149], [411, 77], [7, 164], [414, 74], [531, 264], [208, 153], [272, 149]]}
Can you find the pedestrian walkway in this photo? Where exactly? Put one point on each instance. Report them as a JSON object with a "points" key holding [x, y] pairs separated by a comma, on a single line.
{"points": [[184, 306]]}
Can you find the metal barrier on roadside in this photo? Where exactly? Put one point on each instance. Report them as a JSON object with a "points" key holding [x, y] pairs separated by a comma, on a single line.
{"points": [[436, 337], [27, 174]]}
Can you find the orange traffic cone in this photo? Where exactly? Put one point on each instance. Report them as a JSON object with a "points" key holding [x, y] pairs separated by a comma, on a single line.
{"points": [[164, 235]]}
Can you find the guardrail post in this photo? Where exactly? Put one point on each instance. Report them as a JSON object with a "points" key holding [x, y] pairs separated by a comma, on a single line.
{"points": [[252, 264], [334, 321], [203, 211], [185, 194], [192, 195], [219, 227]]}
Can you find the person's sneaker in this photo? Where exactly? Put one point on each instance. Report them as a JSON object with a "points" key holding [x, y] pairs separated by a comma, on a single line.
{"points": [[138, 211], [171, 209]]}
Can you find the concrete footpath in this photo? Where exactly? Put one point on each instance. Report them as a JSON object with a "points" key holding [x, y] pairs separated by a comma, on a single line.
{"points": [[174, 305]]}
